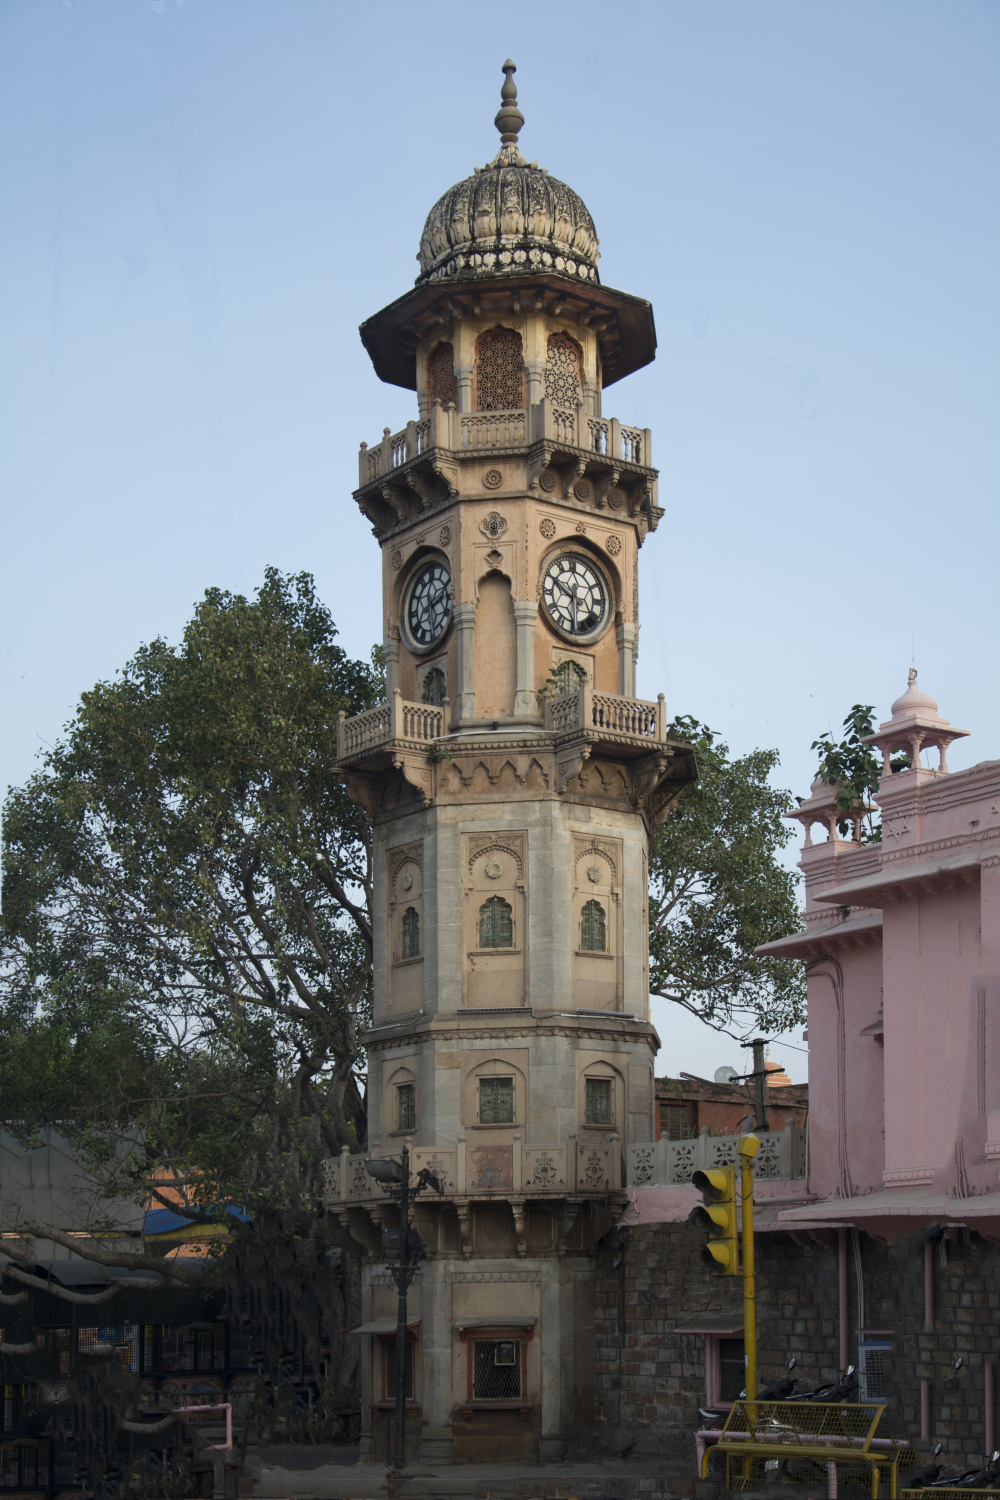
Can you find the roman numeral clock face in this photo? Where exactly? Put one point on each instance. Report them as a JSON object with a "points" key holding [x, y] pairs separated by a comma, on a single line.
{"points": [[427, 612], [575, 596]]}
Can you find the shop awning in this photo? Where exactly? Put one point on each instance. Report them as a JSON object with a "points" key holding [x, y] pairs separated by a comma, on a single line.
{"points": [[729, 1325], [383, 1325], [499, 1320]]}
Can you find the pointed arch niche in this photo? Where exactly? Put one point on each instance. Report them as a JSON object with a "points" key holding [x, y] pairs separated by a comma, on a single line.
{"points": [[493, 919], [496, 648], [500, 376], [597, 923], [407, 934]]}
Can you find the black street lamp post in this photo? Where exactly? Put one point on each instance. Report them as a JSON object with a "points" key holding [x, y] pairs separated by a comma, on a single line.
{"points": [[393, 1177]]}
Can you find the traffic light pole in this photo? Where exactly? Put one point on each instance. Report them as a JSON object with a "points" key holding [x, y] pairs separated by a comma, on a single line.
{"points": [[747, 1150]]}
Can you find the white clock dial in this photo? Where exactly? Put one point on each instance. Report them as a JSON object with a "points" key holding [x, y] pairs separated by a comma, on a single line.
{"points": [[575, 595], [428, 605]]}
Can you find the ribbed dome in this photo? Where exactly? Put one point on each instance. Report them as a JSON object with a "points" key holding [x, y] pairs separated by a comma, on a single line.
{"points": [[508, 219]]}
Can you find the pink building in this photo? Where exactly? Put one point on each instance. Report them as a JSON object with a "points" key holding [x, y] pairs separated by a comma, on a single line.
{"points": [[902, 952]]}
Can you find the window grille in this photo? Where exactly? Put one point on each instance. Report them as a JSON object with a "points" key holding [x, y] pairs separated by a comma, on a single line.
{"points": [[562, 371], [148, 1339], [598, 1101], [121, 1336], [569, 677], [411, 933], [499, 371], [732, 1369], [496, 925], [594, 928], [10, 1394], [434, 689], [679, 1122], [496, 1369], [872, 1370], [389, 1358], [496, 1101], [406, 1106], [176, 1347], [441, 382]]}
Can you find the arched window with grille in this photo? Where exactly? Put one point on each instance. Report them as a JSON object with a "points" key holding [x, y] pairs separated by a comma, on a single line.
{"points": [[442, 384], [433, 688], [496, 924], [411, 933], [562, 371], [499, 371], [568, 677], [594, 928]]}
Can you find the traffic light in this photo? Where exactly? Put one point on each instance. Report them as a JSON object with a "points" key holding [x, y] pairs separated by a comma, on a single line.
{"points": [[717, 1187]]}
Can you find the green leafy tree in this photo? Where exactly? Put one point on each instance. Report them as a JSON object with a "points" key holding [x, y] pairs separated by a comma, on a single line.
{"points": [[718, 890], [187, 937], [854, 769]]}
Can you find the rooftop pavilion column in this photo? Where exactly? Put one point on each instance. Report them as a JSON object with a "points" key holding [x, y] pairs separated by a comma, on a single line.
{"points": [[525, 698], [465, 644], [391, 649], [536, 380], [626, 635]]}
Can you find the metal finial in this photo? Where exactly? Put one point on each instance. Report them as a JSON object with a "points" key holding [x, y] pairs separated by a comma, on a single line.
{"points": [[509, 119]]}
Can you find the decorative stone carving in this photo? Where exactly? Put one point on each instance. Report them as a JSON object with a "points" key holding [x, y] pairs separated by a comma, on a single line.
{"points": [[490, 1169], [396, 558], [616, 499], [547, 482], [494, 524], [614, 545], [547, 527], [594, 874], [492, 479], [445, 535], [582, 490], [406, 881], [494, 869]]}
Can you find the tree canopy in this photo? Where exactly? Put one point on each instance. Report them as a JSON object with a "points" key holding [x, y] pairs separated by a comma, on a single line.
{"points": [[187, 941], [855, 770], [718, 890]]}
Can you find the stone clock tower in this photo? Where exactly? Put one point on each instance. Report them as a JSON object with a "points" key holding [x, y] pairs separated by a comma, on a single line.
{"points": [[512, 779]]}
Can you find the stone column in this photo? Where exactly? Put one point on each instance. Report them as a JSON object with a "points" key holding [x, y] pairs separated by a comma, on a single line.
{"points": [[391, 649], [626, 635], [437, 1445], [465, 387], [365, 1439], [555, 1330], [465, 640], [525, 702], [536, 380]]}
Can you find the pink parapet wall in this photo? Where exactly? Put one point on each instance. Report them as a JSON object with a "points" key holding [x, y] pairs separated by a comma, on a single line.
{"points": [[901, 944]]}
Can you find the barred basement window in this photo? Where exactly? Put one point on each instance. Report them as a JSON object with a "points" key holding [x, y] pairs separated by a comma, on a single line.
{"points": [[593, 928], [598, 1101], [389, 1358], [562, 371], [434, 688], [411, 933], [499, 371], [441, 382], [496, 925], [406, 1106], [732, 1369], [496, 1369], [496, 1101]]}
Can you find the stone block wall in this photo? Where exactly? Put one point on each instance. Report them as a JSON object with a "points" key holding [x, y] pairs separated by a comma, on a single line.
{"points": [[651, 1380]]}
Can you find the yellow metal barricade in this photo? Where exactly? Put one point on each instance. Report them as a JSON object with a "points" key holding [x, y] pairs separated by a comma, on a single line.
{"points": [[827, 1446]]}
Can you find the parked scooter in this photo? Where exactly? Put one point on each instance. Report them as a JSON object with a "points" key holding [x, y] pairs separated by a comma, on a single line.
{"points": [[986, 1478], [921, 1478]]}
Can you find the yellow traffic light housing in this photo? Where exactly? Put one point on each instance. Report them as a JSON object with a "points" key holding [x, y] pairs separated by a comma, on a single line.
{"points": [[717, 1187]]}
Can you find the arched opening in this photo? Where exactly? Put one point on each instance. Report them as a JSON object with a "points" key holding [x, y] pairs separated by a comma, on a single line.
{"points": [[411, 933], [594, 928], [500, 374], [562, 371], [496, 648], [568, 677], [496, 925], [442, 384], [434, 688]]}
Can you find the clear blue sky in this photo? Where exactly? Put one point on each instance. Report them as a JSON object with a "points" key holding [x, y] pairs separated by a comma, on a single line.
{"points": [[202, 200]]}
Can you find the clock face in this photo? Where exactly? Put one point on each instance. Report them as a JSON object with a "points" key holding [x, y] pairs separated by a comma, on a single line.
{"points": [[575, 595], [428, 605]]}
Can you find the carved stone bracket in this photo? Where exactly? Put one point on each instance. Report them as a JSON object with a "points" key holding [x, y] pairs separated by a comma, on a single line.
{"points": [[647, 774], [418, 773], [566, 1217], [569, 762], [396, 498], [538, 460], [363, 789], [464, 1208], [426, 486], [603, 485], [520, 1224], [659, 779], [447, 470]]}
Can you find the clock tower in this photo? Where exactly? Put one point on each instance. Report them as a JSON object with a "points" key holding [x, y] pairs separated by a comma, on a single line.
{"points": [[512, 779]]}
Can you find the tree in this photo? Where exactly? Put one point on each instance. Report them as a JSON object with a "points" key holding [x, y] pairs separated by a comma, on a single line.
{"points": [[187, 939], [854, 769], [717, 891]]}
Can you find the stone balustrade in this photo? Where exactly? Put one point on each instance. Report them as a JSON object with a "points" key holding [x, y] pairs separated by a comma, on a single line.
{"points": [[664, 1163], [392, 722], [608, 715], [468, 1170], [457, 432]]}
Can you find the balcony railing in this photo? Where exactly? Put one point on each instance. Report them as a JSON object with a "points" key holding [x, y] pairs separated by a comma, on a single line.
{"points": [[607, 714], [664, 1163], [389, 723], [468, 1170], [457, 432]]}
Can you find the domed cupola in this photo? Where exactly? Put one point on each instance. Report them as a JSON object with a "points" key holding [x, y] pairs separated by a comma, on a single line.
{"points": [[510, 218]]}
